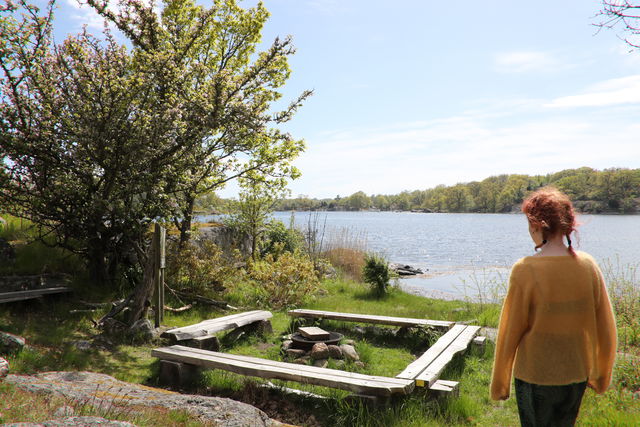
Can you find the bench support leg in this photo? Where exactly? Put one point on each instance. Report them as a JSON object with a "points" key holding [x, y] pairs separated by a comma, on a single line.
{"points": [[176, 374], [204, 343]]}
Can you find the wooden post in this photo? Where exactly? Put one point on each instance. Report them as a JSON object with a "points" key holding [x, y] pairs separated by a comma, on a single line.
{"points": [[158, 274]]}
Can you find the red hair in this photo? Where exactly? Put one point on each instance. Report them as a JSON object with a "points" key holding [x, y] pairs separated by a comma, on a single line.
{"points": [[551, 210]]}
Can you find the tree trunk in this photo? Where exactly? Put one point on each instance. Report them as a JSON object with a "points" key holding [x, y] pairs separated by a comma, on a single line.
{"points": [[185, 223], [98, 268], [143, 292]]}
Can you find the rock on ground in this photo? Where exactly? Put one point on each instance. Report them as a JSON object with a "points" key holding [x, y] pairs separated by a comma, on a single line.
{"points": [[74, 421], [10, 343], [101, 389]]}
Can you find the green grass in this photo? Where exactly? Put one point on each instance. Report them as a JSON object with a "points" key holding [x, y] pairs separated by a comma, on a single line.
{"points": [[49, 330]]}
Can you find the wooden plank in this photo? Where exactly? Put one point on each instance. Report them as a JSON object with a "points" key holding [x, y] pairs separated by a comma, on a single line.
{"points": [[420, 364], [212, 326], [443, 388], [33, 293], [265, 368], [314, 333], [429, 376], [370, 318]]}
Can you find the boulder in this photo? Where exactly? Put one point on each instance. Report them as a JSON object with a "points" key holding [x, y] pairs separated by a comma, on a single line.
{"points": [[321, 363], [349, 352], [304, 360], [141, 331], [405, 270], [4, 368], [319, 351], [294, 353], [286, 345], [334, 352], [10, 343]]}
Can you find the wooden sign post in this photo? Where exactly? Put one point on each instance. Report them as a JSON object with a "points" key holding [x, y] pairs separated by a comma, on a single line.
{"points": [[159, 264]]}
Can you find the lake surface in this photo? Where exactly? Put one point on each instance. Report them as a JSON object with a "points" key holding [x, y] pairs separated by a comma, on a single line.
{"points": [[456, 248]]}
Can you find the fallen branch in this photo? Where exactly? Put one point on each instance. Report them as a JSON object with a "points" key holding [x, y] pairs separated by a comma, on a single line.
{"points": [[179, 309], [204, 300]]}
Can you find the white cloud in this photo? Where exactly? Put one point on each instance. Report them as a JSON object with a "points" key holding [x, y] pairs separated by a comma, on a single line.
{"points": [[625, 90], [525, 61], [465, 148]]}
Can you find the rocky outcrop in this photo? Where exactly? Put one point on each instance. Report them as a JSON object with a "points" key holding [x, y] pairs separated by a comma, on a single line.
{"points": [[103, 390], [4, 368], [405, 270], [74, 421]]}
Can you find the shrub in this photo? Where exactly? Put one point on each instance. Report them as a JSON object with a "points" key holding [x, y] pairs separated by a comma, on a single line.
{"points": [[376, 273], [284, 282], [199, 267], [278, 238]]}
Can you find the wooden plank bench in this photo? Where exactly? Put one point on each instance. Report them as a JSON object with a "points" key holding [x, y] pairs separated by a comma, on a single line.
{"points": [[264, 368], [427, 368], [33, 293], [202, 335], [369, 318]]}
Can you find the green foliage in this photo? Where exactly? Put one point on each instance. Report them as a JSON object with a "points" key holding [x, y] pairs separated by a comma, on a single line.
{"points": [[198, 267], [97, 140], [593, 191], [279, 238], [287, 281], [376, 273]]}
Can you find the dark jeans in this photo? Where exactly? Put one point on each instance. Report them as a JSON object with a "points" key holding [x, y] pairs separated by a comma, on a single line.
{"points": [[548, 405]]}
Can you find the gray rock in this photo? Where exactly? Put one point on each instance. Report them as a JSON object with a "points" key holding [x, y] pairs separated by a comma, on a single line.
{"points": [[85, 387], [358, 364], [321, 363], [64, 411], [75, 421], [141, 331], [349, 342], [286, 345], [319, 351], [82, 345], [302, 360], [295, 353], [349, 352], [334, 352], [10, 343], [4, 368]]}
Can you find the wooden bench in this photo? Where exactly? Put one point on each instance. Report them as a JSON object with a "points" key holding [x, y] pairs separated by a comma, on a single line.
{"points": [[264, 368], [426, 370], [202, 335], [30, 294], [369, 318]]}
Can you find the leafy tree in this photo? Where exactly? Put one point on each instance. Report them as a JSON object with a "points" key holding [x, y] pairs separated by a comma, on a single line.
{"points": [[206, 67], [253, 210], [87, 151]]}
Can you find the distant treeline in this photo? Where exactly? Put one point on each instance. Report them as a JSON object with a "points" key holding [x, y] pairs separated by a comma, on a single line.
{"points": [[613, 190]]}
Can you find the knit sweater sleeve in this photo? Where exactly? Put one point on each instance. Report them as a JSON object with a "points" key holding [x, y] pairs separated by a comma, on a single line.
{"points": [[606, 336], [514, 321]]}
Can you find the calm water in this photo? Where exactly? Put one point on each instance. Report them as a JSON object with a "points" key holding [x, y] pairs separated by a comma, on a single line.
{"points": [[452, 247]]}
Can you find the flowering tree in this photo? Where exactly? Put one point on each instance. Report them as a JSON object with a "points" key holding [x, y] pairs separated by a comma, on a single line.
{"points": [[98, 141]]}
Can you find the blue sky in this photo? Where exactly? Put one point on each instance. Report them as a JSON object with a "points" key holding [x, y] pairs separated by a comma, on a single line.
{"points": [[411, 94]]}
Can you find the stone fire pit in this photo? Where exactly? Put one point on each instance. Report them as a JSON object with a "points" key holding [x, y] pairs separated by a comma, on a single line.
{"points": [[316, 345]]}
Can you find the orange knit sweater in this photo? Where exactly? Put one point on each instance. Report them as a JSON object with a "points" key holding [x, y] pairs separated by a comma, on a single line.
{"points": [[557, 325]]}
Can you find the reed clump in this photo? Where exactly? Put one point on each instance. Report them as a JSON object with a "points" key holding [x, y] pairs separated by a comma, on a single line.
{"points": [[346, 249]]}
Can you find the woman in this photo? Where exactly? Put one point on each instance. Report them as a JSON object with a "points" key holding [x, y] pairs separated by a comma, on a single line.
{"points": [[557, 331]]}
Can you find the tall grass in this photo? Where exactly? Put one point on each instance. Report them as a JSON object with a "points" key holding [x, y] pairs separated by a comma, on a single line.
{"points": [[345, 249], [623, 282]]}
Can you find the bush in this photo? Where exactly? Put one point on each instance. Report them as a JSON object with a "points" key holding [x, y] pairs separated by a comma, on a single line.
{"points": [[199, 267], [284, 282], [278, 238], [376, 273]]}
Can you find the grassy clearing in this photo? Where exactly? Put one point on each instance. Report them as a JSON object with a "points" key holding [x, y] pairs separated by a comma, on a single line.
{"points": [[50, 331]]}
